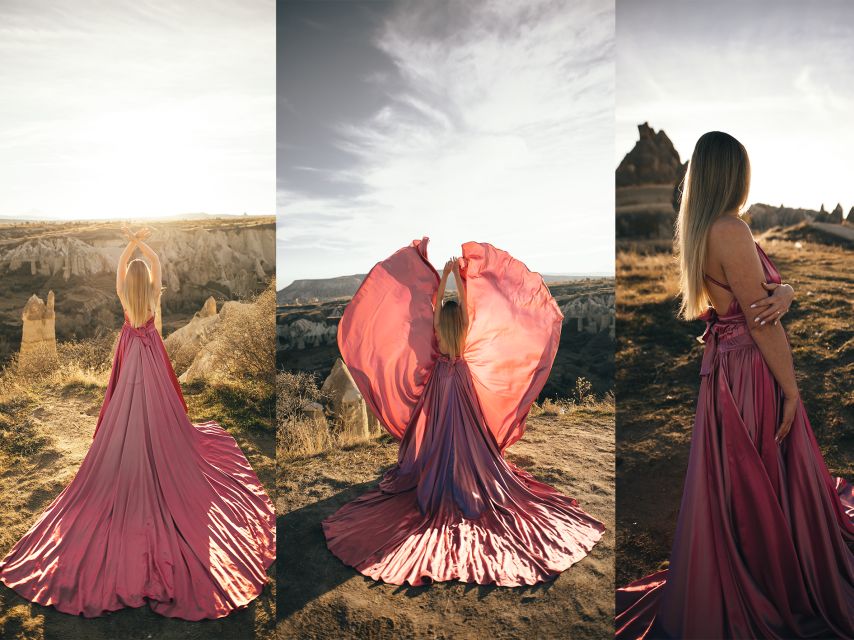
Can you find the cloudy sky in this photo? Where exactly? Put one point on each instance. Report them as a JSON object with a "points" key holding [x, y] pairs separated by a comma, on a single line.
{"points": [[137, 108], [778, 75], [478, 120]]}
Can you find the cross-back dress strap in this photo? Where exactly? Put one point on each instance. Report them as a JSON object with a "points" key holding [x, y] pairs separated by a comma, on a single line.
{"points": [[717, 282]]}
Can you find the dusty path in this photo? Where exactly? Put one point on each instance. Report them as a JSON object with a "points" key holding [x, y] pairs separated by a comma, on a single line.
{"points": [[319, 597], [67, 420]]}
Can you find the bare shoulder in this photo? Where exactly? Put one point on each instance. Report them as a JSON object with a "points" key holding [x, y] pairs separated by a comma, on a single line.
{"points": [[730, 236]]}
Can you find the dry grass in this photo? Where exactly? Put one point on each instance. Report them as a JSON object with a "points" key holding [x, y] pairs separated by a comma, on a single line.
{"points": [[658, 361], [301, 434], [244, 348]]}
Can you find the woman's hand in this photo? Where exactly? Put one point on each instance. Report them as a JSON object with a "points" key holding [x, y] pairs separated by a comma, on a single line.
{"points": [[143, 234], [449, 267], [773, 307], [131, 237], [790, 405], [456, 267]]}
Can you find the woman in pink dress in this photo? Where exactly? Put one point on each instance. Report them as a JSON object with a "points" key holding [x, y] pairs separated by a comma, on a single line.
{"points": [[764, 543], [454, 381], [162, 511]]}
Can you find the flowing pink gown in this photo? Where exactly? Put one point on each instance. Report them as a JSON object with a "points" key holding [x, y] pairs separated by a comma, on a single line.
{"points": [[161, 510], [453, 508], [764, 543]]}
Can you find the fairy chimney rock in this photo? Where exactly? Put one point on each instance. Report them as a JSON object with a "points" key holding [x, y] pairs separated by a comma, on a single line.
{"points": [[348, 405], [208, 309], [39, 331]]}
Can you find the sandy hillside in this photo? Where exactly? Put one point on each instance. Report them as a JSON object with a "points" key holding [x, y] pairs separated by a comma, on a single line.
{"points": [[658, 362], [319, 597], [53, 433]]}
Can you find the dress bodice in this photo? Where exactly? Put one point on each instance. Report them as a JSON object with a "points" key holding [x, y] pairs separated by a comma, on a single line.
{"points": [[730, 330]]}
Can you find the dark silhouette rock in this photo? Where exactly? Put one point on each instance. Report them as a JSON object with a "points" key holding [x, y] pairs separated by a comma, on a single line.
{"points": [[653, 160], [836, 215], [850, 216]]}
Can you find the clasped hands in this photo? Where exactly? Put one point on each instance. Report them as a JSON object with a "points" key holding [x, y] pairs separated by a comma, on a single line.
{"points": [[140, 236]]}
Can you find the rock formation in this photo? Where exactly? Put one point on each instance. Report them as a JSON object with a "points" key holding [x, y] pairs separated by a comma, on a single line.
{"points": [[319, 290], [38, 338], [648, 192], [348, 405], [191, 348], [836, 215], [764, 216], [850, 216], [653, 160], [593, 313]]}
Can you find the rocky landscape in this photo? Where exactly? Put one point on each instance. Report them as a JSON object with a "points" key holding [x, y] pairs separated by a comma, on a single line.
{"points": [[648, 187], [307, 336], [226, 258]]}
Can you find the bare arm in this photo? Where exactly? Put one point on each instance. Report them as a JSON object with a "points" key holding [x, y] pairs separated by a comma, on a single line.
{"points": [[440, 294], [156, 273], [461, 292], [732, 244], [772, 308], [121, 269]]}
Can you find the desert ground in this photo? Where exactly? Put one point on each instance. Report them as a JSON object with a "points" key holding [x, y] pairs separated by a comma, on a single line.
{"points": [[658, 362], [568, 446]]}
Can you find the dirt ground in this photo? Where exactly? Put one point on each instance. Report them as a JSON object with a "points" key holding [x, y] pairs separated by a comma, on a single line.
{"points": [[319, 597], [658, 362], [64, 421]]}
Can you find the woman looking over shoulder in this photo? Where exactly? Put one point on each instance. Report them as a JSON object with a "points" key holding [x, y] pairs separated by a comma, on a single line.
{"points": [[764, 547]]}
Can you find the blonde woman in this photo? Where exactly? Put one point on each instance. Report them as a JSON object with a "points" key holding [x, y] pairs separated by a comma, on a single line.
{"points": [[453, 380], [764, 543], [162, 511]]}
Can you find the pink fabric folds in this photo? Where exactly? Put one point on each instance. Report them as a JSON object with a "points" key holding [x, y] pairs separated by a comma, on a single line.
{"points": [[512, 340], [161, 510], [453, 508], [388, 327], [764, 543]]}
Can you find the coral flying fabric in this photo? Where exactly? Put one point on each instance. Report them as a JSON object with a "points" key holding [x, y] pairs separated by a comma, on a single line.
{"points": [[161, 510], [453, 508], [764, 542]]}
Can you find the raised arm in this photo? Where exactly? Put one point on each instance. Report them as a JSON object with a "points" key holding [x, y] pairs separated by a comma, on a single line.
{"points": [[440, 294], [461, 291], [121, 269], [154, 261], [732, 244]]}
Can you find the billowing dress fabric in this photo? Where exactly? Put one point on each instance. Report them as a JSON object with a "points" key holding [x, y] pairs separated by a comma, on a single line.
{"points": [[453, 508], [764, 543], [161, 510]]}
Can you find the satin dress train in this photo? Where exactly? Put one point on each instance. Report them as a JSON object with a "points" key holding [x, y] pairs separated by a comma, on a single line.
{"points": [[161, 511], [453, 508], [764, 542]]}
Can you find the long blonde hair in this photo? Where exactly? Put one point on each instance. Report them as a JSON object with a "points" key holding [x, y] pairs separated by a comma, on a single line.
{"points": [[452, 330], [717, 181], [139, 296]]}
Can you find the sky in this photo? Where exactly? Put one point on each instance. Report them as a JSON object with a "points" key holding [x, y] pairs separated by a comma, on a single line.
{"points": [[128, 109], [481, 120], [777, 75]]}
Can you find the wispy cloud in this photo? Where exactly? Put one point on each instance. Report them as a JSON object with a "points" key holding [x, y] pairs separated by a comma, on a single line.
{"points": [[497, 125], [137, 108], [777, 75]]}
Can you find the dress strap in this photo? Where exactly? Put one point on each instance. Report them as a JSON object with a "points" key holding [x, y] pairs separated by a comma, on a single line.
{"points": [[717, 282]]}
